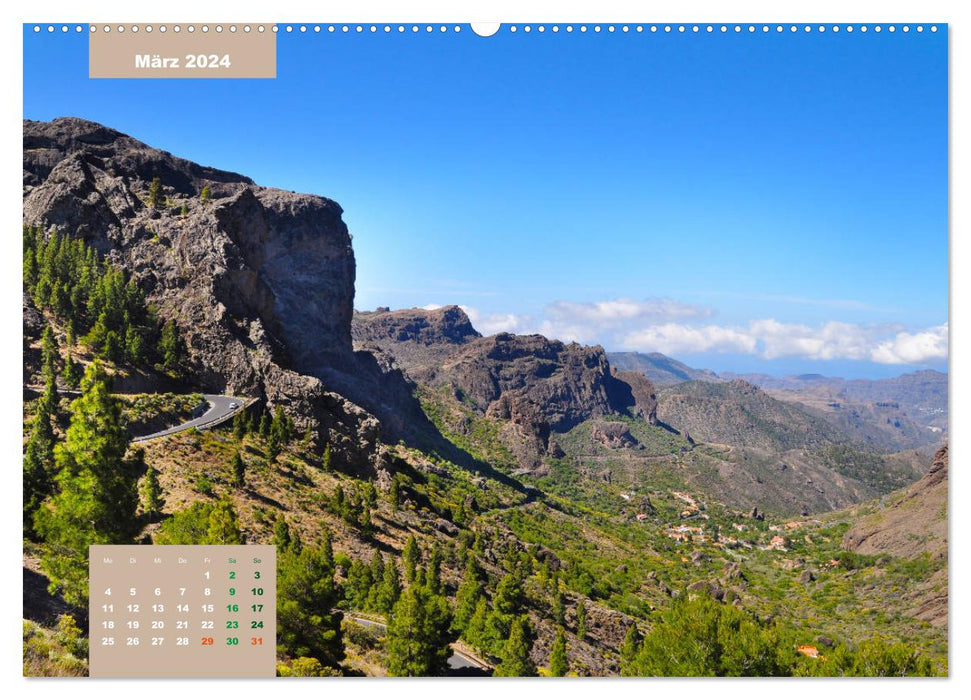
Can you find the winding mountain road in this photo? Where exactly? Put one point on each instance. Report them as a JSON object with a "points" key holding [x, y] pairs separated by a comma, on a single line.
{"points": [[221, 408]]}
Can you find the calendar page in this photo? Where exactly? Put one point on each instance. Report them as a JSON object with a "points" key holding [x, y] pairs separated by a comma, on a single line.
{"points": [[186, 610], [513, 349]]}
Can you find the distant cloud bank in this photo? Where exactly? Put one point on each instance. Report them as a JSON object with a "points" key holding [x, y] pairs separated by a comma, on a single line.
{"points": [[770, 339], [676, 328]]}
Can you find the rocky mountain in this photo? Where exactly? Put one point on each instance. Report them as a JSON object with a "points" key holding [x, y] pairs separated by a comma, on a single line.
{"points": [[259, 280], [660, 369], [536, 386]]}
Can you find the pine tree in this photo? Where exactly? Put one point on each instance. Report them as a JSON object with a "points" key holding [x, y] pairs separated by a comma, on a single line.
{"points": [[358, 585], [98, 495], [38, 468], [72, 372], [433, 573], [264, 429], [50, 357], [171, 347], [475, 630], [515, 658], [240, 426], [581, 619], [272, 447], [390, 589], [394, 494], [558, 662], [410, 558], [325, 458], [201, 523], [184, 211], [377, 574], [224, 525], [467, 596], [418, 634], [112, 349], [364, 521], [279, 427], [155, 196], [559, 606], [281, 534], [152, 501], [239, 470], [309, 437], [702, 637], [509, 598], [206, 195], [370, 495], [308, 622], [134, 345]]}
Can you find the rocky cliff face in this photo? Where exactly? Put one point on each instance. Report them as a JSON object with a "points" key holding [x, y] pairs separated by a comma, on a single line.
{"points": [[279, 259], [260, 281], [419, 339], [448, 325], [536, 386]]}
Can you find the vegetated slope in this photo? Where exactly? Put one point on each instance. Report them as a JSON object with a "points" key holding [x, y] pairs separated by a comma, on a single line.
{"points": [[660, 369], [911, 524], [739, 413], [908, 523], [882, 425], [796, 459]]}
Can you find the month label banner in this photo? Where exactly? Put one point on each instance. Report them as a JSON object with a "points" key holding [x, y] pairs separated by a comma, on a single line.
{"points": [[177, 51]]}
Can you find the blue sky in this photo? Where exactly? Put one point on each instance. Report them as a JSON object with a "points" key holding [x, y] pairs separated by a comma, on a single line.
{"points": [[745, 202]]}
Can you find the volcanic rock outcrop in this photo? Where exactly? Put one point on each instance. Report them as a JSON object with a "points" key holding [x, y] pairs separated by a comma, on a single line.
{"points": [[260, 281], [536, 386]]}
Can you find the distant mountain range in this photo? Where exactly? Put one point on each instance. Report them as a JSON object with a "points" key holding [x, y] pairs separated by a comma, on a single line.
{"points": [[899, 413]]}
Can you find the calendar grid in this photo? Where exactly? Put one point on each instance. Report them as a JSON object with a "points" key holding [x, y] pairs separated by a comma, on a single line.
{"points": [[182, 610]]}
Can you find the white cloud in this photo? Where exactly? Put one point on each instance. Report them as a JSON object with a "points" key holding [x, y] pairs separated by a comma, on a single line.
{"points": [[586, 322], [913, 348], [676, 338], [620, 311], [674, 328], [771, 339], [490, 324], [830, 341]]}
